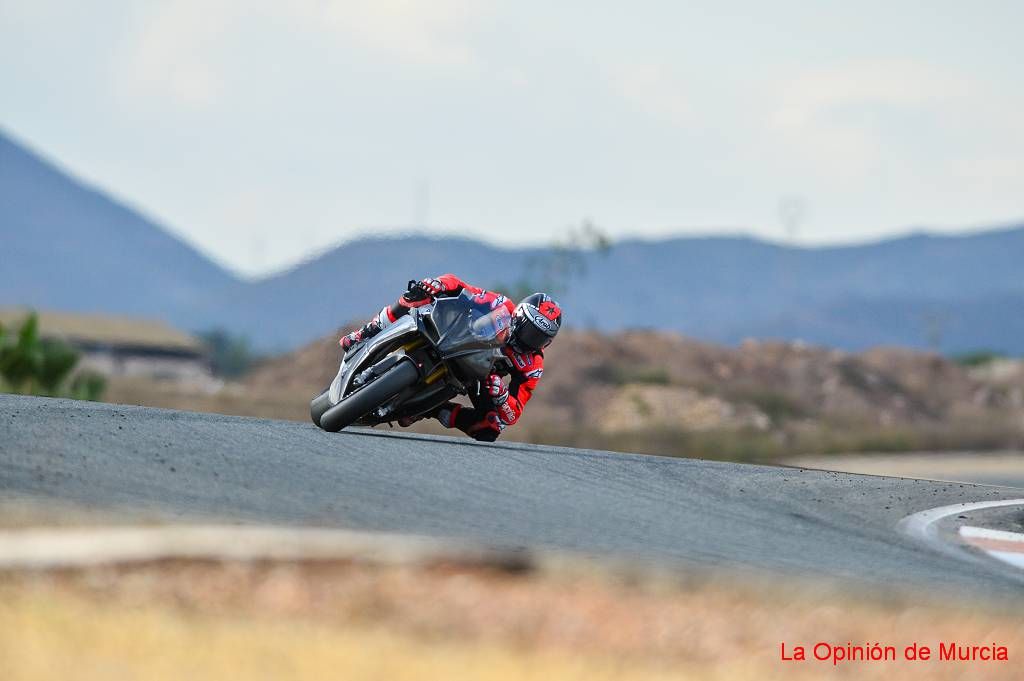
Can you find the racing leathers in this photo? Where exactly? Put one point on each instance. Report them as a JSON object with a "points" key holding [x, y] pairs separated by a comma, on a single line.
{"points": [[495, 406]]}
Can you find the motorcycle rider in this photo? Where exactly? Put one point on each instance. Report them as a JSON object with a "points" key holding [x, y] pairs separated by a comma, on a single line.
{"points": [[535, 322]]}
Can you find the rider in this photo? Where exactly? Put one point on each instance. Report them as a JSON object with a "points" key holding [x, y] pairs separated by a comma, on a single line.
{"points": [[535, 321]]}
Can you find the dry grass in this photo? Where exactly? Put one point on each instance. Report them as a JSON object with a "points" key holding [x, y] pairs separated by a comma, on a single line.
{"points": [[71, 638], [353, 621]]}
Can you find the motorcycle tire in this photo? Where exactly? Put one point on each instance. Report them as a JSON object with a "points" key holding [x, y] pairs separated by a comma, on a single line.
{"points": [[319, 405], [358, 404]]}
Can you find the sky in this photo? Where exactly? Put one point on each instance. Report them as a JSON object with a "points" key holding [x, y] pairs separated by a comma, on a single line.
{"points": [[264, 131]]}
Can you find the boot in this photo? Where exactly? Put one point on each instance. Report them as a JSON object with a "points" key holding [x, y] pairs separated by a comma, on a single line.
{"points": [[369, 330]]}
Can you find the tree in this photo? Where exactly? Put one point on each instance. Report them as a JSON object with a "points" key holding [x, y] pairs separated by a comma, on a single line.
{"points": [[56, 362], [230, 356], [21, 360], [30, 364], [564, 260]]}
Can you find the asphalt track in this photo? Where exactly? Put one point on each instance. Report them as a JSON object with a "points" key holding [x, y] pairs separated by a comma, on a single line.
{"points": [[189, 466]]}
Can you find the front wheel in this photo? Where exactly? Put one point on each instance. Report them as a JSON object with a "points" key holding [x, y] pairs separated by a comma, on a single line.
{"points": [[320, 404], [354, 406]]}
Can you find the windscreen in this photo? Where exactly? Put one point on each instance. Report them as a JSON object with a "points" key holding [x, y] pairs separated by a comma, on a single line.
{"points": [[464, 320], [492, 324]]}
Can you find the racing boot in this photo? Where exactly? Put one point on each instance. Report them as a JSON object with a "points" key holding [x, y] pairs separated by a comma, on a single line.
{"points": [[369, 330], [414, 297], [446, 413]]}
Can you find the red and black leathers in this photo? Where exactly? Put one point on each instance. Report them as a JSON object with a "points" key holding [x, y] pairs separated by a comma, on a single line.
{"points": [[493, 408]]}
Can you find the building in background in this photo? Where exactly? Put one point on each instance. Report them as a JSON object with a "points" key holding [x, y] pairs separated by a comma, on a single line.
{"points": [[123, 346]]}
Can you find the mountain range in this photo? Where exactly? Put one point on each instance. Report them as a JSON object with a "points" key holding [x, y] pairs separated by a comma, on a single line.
{"points": [[66, 246]]}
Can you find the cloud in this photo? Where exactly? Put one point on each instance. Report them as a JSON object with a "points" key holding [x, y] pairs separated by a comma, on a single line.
{"points": [[171, 54], [414, 33], [180, 50], [655, 90], [813, 95], [851, 117]]}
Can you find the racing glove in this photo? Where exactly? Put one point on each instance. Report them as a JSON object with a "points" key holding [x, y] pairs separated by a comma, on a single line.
{"points": [[496, 389], [433, 286], [422, 292]]}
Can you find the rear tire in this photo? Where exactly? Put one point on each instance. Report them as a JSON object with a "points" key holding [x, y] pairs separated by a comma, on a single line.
{"points": [[351, 408]]}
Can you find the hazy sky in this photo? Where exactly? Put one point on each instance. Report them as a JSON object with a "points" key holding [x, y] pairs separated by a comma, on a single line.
{"points": [[262, 131]]}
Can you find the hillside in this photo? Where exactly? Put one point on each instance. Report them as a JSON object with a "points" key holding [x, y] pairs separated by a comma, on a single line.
{"points": [[666, 393], [951, 293], [66, 246], [69, 247]]}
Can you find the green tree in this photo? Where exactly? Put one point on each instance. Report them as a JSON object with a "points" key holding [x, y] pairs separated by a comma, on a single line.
{"points": [[30, 364], [21, 360], [88, 385], [56, 362], [230, 355], [564, 260]]}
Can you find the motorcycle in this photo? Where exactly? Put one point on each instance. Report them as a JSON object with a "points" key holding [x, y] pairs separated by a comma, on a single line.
{"points": [[423, 360]]}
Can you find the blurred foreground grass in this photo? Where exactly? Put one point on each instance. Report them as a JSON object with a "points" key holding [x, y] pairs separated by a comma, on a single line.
{"points": [[354, 621], [66, 637]]}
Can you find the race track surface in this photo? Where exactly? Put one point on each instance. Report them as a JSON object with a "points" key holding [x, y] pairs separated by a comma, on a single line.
{"points": [[190, 466]]}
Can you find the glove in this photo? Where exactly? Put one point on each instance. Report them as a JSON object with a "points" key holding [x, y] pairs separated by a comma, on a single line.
{"points": [[433, 287], [496, 389], [422, 292]]}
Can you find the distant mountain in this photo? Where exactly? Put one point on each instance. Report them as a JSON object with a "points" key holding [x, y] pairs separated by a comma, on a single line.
{"points": [[955, 293], [65, 246]]}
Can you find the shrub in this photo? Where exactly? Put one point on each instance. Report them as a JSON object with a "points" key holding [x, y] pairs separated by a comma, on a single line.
{"points": [[230, 356], [35, 366], [977, 358]]}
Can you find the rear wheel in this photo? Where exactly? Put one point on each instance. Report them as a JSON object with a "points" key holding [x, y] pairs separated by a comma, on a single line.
{"points": [[352, 407]]}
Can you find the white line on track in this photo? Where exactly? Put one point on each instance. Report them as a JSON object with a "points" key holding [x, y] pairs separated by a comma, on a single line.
{"points": [[923, 526]]}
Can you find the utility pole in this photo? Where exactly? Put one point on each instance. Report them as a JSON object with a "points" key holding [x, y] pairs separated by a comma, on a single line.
{"points": [[792, 212]]}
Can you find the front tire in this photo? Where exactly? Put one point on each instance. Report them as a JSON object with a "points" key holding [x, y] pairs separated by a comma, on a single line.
{"points": [[356, 405], [320, 404]]}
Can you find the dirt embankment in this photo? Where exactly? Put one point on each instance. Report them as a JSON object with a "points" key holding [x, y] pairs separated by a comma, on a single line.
{"points": [[665, 393]]}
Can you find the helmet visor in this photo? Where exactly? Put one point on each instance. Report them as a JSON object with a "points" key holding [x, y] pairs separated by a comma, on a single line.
{"points": [[529, 337]]}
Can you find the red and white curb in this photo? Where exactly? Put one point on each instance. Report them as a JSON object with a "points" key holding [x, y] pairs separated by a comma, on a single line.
{"points": [[1001, 545], [1006, 547]]}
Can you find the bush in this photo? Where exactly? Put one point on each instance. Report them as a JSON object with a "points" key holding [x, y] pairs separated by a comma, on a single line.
{"points": [[977, 358], [230, 356], [31, 365], [88, 385]]}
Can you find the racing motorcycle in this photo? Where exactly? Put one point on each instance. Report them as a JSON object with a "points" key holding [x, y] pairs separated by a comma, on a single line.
{"points": [[412, 367]]}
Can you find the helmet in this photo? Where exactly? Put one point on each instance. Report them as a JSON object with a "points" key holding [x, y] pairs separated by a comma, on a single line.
{"points": [[535, 323]]}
